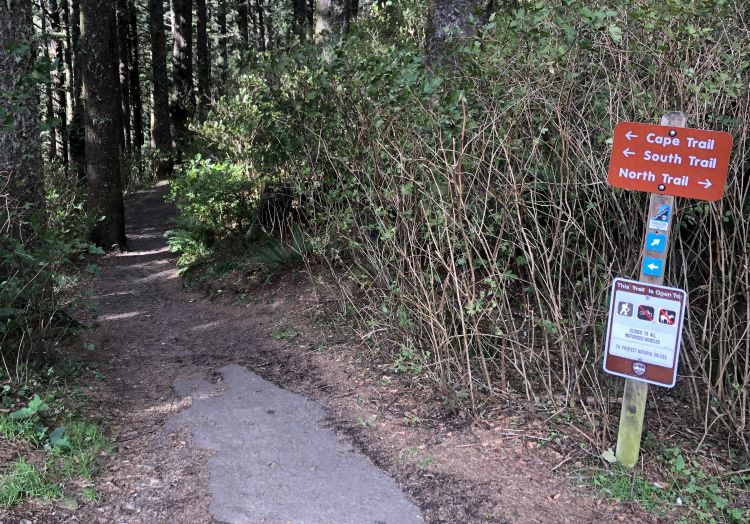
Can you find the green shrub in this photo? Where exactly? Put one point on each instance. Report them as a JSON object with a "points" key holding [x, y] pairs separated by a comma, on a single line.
{"points": [[217, 200], [470, 193], [37, 272]]}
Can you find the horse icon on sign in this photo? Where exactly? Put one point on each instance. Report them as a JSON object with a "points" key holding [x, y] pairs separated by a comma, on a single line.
{"points": [[667, 317]]}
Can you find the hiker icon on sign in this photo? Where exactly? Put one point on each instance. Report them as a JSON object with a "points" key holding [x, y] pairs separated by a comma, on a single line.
{"points": [[625, 309]]}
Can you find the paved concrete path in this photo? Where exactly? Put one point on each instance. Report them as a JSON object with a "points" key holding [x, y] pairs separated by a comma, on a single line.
{"points": [[274, 463]]}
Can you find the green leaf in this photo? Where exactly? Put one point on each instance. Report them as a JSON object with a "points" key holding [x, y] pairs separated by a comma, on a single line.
{"points": [[35, 406], [609, 456], [615, 32], [10, 311], [58, 439]]}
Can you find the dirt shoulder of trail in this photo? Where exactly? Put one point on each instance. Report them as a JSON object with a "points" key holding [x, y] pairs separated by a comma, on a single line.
{"points": [[150, 331], [508, 466]]}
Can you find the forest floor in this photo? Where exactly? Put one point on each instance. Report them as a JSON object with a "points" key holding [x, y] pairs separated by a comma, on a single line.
{"points": [[195, 425]]}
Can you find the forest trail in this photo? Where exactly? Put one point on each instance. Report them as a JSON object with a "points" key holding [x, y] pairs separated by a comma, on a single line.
{"points": [[196, 447], [199, 437]]}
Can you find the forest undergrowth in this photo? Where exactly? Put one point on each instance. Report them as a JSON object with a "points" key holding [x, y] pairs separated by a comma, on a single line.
{"points": [[461, 203], [467, 200], [456, 195]]}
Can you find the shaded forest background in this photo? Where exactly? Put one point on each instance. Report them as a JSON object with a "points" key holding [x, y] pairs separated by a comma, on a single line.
{"points": [[445, 162]]}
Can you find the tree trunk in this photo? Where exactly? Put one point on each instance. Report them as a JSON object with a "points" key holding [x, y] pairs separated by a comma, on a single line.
{"points": [[351, 11], [123, 53], [323, 19], [253, 19], [242, 27], [76, 139], [69, 102], [299, 18], [58, 81], [21, 182], [135, 78], [161, 133], [310, 14], [451, 17], [49, 101], [261, 26], [182, 101], [270, 34], [203, 59], [101, 98], [221, 20]]}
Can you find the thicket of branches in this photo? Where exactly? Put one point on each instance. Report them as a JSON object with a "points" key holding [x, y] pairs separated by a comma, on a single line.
{"points": [[459, 194], [446, 159]]}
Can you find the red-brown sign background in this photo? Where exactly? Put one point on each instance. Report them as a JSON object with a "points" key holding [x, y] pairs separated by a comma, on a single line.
{"points": [[646, 158]]}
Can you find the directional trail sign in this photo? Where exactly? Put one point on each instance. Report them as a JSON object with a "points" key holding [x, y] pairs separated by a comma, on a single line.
{"points": [[644, 332], [675, 161]]}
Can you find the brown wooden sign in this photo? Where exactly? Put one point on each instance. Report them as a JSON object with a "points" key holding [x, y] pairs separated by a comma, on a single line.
{"points": [[677, 161], [644, 332]]}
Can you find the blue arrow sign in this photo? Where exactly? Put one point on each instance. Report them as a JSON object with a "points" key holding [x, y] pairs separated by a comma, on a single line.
{"points": [[653, 267], [656, 242]]}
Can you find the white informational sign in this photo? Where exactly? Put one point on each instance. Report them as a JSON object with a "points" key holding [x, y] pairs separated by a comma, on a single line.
{"points": [[644, 332]]}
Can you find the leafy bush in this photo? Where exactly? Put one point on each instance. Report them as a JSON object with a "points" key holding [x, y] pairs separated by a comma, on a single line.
{"points": [[38, 270], [216, 201], [467, 197]]}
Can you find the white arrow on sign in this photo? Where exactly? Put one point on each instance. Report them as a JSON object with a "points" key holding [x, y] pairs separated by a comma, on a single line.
{"points": [[655, 242], [705, 183], [630, 135], [652, 266], [628, 152]]}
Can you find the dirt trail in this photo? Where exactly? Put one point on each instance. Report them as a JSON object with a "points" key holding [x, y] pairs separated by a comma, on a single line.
{"points": [[185, 413], [156, 345]]}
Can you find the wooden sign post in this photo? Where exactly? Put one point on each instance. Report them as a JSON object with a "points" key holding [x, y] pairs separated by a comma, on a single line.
{"points": [[667, 161], [635, 393]]}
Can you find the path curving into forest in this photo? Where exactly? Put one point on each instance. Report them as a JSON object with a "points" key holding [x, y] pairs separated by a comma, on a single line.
{"points": [[200, 438]]}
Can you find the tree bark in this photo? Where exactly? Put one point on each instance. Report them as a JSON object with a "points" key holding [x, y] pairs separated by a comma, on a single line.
{"points": [[351, 11], [161, 132], [135, 78], [270, 33], [221, 20], [451, 17], [203, 59], [261, 25], [101, 99], [299, 18], [57, 75], [123, 53], [242, 27], [323, 19], [182, 101], [76, 138], [21, 182], [68, 53], [49, 101]]}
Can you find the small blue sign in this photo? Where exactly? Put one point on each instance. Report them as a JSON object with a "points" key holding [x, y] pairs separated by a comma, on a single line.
{"points": [[660, 221], [653, 267], [656, 242], [662, 214]]}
